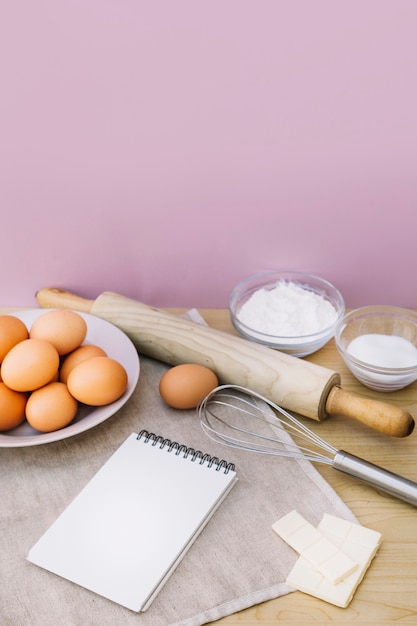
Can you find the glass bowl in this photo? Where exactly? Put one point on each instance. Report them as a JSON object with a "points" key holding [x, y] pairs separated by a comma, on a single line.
{"points": [[379, 346], [299, 323]]}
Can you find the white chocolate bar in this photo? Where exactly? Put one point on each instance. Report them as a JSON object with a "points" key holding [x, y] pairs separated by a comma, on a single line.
{"points": [[357, 542], [324, 556]]}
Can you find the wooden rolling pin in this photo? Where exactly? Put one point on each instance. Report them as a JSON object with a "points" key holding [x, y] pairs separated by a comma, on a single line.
{"points": [[297, 385]]}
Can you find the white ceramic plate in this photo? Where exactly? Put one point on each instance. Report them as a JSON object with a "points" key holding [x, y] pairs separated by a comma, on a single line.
{"points": [[118, 346]]}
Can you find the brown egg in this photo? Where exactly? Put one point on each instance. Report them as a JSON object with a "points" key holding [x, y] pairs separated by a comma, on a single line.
{"points": [[97, 381], [185, 386], [12, 407], [29, 365], [51, 407], [78, 356], [12, 331], [66, 330]]}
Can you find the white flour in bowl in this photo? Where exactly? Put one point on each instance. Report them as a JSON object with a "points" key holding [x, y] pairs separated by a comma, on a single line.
{"points": [[287, 310]]}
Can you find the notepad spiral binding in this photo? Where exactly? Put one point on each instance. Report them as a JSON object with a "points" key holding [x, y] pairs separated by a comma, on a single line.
{"points": [[186, 452]]}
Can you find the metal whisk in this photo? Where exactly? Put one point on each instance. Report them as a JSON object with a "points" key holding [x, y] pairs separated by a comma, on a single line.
{"points": [[227, 415]]}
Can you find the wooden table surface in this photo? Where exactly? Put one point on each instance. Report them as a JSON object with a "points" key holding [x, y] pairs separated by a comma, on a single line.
{"points": [[388, 593]]}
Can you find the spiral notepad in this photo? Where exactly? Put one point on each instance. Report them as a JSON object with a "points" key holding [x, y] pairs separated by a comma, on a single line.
{"points": [[127, 530]]}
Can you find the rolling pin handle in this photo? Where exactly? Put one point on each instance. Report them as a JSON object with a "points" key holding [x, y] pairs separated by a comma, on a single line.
{"points": [[386, 418], [54, 298]]}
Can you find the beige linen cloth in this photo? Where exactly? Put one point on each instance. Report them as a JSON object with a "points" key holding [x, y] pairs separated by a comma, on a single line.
{"points": [[236, 562]]}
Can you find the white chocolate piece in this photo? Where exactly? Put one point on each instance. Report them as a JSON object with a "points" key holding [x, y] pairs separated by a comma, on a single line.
{"points": [[322, 554], [358, 542]]}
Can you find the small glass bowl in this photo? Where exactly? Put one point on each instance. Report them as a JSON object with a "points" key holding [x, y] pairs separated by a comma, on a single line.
{"points": [[378, 320], [295, 345]]}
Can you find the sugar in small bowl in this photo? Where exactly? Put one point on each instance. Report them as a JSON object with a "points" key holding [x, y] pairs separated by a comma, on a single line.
{"points": [[290, 311], [379, 346]]}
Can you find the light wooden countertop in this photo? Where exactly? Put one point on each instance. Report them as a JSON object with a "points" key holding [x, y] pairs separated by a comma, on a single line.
{"points": [[388, 593]]}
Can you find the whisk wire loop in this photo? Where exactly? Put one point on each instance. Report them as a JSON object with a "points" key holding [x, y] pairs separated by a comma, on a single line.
{"points": [[256, 407]]}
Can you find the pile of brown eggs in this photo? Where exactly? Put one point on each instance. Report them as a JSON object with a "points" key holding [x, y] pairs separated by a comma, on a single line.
{"points": [[47, 370]]}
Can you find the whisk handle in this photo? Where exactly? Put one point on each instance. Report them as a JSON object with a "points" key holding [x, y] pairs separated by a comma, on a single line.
{"points": [[393, 484]]}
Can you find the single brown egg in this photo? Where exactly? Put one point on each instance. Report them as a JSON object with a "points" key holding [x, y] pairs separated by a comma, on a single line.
{"points": [[29, 365], [51, 407], [12, 331], [66, 330], [12, 407], [97, 381], [185, 386], [77, 356]]}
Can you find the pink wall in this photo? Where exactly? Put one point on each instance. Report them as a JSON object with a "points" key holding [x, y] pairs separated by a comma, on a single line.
{"points": [[166, 150]]}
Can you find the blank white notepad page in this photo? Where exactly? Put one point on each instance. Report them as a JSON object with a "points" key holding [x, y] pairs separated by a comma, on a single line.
{"points": [[128, 528]]}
